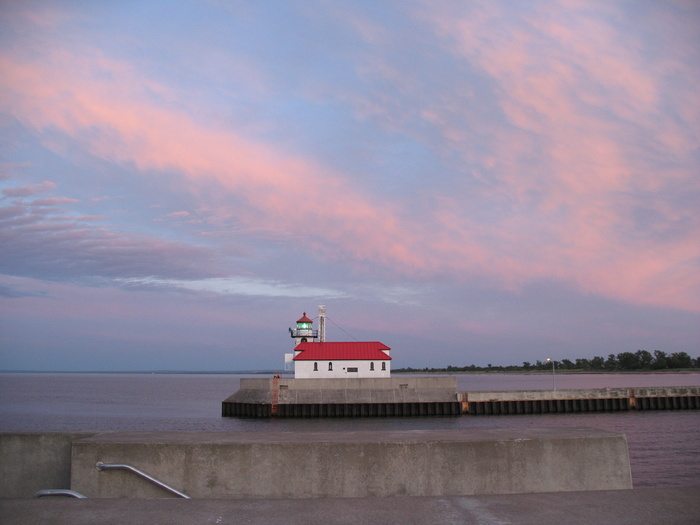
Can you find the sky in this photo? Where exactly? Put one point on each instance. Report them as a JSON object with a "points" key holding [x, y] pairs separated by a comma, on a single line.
{"points": [[466, 182]]}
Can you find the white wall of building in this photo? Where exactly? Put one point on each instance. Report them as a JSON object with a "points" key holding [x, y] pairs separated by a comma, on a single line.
{"points": [[305, 369]]}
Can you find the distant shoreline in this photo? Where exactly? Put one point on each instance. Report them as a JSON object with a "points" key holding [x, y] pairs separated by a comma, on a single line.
{"points": [[151, 372], [399, 371], [544, 372]]}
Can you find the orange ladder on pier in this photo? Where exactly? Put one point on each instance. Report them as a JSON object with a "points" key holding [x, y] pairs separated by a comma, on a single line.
{"points": [[275, 394]]}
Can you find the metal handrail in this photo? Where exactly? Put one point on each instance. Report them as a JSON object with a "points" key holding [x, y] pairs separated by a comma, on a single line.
{"points": [[120, 466], [58, 492]]}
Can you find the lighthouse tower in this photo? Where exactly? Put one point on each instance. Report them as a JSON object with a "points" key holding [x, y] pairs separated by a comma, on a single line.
{"points": [[304, 332]]}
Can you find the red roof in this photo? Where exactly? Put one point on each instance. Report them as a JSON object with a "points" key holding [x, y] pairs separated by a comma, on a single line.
{"points": [[341, 351], [304, 319]]}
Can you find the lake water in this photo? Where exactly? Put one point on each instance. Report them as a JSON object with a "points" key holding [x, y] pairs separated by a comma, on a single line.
{"points": [[664, 446]]}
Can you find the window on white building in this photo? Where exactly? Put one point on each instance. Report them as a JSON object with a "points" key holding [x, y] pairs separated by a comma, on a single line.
{"points": [[383, 366], [371, 367], [330, 367], [315, 367]]}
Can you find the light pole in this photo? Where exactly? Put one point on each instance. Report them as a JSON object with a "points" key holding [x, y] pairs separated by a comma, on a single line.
{"points": [[554, 378]]}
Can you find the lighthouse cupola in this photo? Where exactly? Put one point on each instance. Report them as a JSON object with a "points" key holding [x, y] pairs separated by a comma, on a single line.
{"points": [[304, 332]]}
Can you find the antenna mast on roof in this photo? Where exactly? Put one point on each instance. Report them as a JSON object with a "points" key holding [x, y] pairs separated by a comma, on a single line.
{"points": [[322, 323]]}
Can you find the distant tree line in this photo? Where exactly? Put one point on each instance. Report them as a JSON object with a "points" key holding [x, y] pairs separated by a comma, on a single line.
{"points": [[624, 361]]}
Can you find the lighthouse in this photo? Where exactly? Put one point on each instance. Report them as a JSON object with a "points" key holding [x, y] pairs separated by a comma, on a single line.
{"points": [[323, 360], [304, 332]]}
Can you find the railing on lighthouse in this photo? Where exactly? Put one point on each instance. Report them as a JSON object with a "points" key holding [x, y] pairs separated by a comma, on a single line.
{"points": [[303, 332]]}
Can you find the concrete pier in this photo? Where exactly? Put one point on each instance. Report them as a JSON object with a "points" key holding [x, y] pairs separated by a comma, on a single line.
{"points": [[586, 400], [435, 396], [244, 465], [418, 477], [386, 397], [32, 461]]}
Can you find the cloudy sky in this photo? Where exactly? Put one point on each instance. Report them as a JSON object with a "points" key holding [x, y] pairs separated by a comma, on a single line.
{"points": [[466, 182]]}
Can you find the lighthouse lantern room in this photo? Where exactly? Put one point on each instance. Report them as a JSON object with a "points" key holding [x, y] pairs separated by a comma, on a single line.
{"points": [[304, 332]]}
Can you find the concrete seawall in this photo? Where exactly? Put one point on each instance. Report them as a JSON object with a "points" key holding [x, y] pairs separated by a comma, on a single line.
{"points": [[586, 400], [241, 465], [435, 396], [396, 396], [32, 461]]}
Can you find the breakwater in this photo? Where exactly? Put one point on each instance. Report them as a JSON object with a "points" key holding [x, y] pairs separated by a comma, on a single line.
{"points": [[435, 396], [588, 400], [386, 397]]}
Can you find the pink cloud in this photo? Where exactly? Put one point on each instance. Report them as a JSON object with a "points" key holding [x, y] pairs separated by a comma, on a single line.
{"points": [[557, 72], [7, 169], [560, 221], [54, 201], [27, 191], [130, 130]]}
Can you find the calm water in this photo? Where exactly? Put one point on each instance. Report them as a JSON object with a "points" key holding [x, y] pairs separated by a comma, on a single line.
{"points": [[664, 446]]}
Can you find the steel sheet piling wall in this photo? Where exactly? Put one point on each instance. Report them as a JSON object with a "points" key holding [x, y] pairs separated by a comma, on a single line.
{"points": [[545, 402], [396, 400], [309, 410], [536, 406]]}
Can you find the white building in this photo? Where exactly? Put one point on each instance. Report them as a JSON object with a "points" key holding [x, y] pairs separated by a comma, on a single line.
{"points": [[336, 359]]}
